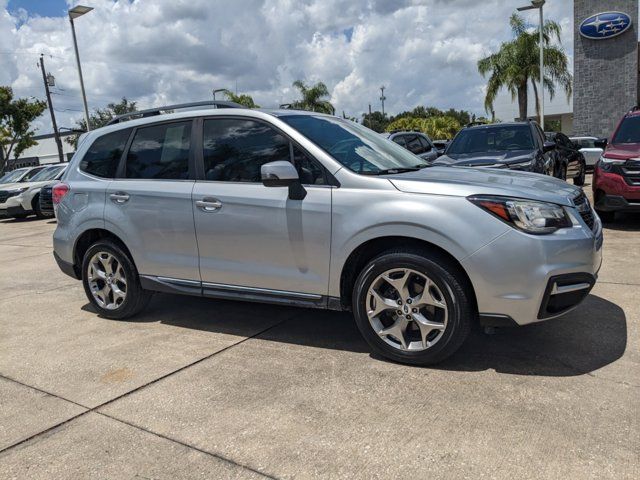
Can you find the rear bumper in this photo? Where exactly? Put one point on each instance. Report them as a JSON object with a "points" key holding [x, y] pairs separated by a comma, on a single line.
{"points": [[66, 267]]}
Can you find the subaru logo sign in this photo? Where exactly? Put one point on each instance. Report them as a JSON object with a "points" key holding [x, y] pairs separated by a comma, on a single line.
{"points": [[605, 25]]}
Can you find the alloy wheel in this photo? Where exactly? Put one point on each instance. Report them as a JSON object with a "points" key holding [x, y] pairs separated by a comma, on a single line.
{"points": [[406, 309], [107, 280]]}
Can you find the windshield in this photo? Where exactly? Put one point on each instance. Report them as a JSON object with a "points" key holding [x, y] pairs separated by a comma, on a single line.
{"points": [[47, 174], [492, 139], [354, 146], [629, 131], [13, 176]]}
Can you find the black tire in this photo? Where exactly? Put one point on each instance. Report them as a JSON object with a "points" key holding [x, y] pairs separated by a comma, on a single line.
{"points": [[36, 207], [606, 217], [136, 298], [580, 179], [449, 280]]}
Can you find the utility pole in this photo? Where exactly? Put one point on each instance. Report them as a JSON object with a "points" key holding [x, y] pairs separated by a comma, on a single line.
{"points": [[49, 79], [369, 115], [382, 98]]}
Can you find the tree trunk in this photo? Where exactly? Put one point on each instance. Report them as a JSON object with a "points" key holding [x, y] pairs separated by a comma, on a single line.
{"points": [[522, 101]]}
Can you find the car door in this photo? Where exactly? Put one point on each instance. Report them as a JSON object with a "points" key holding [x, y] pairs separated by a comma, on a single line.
{"points": [[255, 240], [148, 205]]}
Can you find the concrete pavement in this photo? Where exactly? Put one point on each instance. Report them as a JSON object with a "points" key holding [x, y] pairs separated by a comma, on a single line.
{"points": [[199, 388]]}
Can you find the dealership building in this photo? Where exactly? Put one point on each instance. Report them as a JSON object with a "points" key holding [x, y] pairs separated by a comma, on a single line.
{"points": [[605, 71]]}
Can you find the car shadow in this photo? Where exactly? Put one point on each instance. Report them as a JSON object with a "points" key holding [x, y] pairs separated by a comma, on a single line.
{"points": [[627, 222], [584, 340]]}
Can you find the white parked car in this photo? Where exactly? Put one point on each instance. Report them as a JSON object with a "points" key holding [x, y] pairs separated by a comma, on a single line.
{"points": [[19, 175], [21, 199], [588, 149]]}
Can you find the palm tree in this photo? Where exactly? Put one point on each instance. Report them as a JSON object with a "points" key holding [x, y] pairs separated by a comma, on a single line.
{"points": [[242, 99], [517, 63], [312, 98]]}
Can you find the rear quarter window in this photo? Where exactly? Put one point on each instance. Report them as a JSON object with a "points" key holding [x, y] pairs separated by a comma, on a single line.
{"points": [[103, 156]]}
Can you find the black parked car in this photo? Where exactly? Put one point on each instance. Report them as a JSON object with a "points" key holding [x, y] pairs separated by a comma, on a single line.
{"points": [[569, 160], [46, 201], [513, 145]]}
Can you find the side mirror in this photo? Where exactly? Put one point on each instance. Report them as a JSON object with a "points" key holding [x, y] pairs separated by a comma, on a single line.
{"points": [[548, 146], [601, 143], [283, 174]]}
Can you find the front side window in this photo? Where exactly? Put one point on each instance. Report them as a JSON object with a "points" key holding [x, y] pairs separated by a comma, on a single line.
{"points": [[629, 131], [160, 152], [103, 156], [488, 139], [30, 174], [426, 146], [235, 149], [354, 146], [414, 145]]}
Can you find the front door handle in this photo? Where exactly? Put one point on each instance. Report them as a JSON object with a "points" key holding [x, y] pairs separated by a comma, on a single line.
{"points": [[119, 197], [209, 204]]}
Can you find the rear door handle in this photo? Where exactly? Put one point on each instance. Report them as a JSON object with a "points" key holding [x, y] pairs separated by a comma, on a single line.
{"points": [[209, 204], [119, 197]]}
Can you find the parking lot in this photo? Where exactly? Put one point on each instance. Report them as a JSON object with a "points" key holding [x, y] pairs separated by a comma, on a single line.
{"points": [[198, 388]]}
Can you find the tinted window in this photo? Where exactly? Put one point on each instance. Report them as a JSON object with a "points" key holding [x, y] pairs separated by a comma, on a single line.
{"points": [[311, 173], [399, 139], [414, 145], [425, 144], [235, 149], [104, 154], [487, 139], [629, 131], [160, 152]]}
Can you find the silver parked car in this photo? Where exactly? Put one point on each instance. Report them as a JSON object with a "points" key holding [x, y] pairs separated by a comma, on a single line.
{"points": [[306, 209], [21, 199], [587, 147], [416, 142]]}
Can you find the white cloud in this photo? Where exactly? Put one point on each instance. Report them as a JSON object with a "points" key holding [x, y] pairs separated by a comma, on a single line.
{"points": [[160, 52]]}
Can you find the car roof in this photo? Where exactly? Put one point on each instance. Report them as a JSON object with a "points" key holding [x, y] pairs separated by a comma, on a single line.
{"points": [[495, 125]]}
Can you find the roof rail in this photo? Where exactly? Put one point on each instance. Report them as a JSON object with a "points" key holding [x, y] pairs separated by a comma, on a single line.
{"points": [[158, 111]]}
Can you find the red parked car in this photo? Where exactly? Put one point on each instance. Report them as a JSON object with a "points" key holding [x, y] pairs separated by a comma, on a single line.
{"points": [[616, 177]]}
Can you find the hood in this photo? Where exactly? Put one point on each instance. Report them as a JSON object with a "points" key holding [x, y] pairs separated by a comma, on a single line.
{"points": [[465, 181], [12, 186], [484, 159], [623, 151], [28, 185]]}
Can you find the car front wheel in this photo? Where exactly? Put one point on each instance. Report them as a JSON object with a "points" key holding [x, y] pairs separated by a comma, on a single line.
{"points": [[412, 307], [111, 281]]}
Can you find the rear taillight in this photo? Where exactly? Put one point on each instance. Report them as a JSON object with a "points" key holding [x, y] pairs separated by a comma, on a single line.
{"points": [[58, 192]]}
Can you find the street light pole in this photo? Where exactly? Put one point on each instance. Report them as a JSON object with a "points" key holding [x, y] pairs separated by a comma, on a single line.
{"points": [[539, 4], [382, 98], [76, 12], [48, 79]]}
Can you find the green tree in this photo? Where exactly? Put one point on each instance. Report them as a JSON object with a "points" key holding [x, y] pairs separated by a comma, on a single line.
{"points": [[439, 127], [101, 116], [242, 99], [376, 121], [517, 62], [313, 98], [16, 117]]}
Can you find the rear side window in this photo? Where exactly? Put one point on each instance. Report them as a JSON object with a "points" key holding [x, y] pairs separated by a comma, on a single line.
{"points": [[103, 156], [235, 149], [160, 152]]}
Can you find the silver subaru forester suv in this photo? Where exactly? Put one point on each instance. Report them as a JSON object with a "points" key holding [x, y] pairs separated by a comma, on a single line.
{"points": [[311, 210]]}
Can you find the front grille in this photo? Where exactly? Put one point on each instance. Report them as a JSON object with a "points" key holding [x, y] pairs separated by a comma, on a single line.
{"points": [[3, 196], [631, 172], [584, 209]]}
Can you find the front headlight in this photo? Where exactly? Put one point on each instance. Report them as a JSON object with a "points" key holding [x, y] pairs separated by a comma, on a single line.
{"points": [[15, 193], [523, 164], [530, 216], [607, 164]]}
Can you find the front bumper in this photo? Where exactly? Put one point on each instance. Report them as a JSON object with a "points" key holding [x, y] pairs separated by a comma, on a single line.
{"points": [[12, 211], [521, 279]]}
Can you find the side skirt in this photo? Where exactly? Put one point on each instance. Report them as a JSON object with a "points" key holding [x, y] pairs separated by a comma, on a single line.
{"points": [[235, 292]]}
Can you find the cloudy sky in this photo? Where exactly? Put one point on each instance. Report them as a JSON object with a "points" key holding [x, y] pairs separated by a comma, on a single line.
{"points": [[159, 52]]}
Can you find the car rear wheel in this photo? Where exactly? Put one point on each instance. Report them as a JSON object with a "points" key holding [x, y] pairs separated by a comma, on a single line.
{"points": [[37, 209], [111, 281], [412, 307]]}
